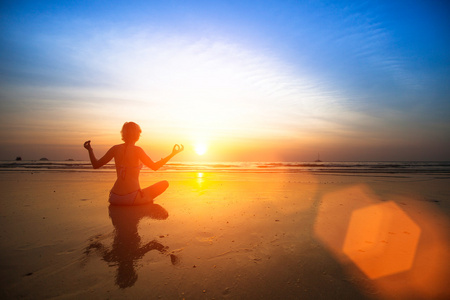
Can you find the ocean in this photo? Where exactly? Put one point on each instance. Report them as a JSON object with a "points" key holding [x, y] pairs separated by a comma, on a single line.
{"points": [[391, 167]]}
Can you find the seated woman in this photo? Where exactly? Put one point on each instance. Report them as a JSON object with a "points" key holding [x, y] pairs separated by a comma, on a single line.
{"points": [[128, 158]]}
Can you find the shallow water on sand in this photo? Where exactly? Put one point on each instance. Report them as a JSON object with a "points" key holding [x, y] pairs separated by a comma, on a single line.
{"points": [[218, 235]]}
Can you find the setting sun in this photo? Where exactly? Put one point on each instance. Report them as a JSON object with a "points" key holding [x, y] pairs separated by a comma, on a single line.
{"points": [[201, 149]]}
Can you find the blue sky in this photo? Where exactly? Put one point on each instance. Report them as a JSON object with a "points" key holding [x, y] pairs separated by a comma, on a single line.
{"points": [[353, 80]]}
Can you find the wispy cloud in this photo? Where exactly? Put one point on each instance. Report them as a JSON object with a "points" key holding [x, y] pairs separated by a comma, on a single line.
{"points": [[188, 83], [364, 35]]}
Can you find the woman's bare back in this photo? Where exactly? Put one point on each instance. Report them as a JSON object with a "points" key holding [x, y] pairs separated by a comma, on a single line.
{"points": [[128, 166]]}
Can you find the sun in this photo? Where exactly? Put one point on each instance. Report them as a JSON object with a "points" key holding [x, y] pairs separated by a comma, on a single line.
{"points": [[201, 148]]}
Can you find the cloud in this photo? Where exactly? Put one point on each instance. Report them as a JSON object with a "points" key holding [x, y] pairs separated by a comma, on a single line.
{"points": [[185, 82]]}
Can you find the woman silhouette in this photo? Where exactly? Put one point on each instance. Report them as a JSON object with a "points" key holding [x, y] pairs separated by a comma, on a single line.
{"points": [[128, 159]]}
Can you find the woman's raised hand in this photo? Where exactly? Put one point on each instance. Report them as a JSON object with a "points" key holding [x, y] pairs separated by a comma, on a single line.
{"points": [[87, 145], [177, 149]]}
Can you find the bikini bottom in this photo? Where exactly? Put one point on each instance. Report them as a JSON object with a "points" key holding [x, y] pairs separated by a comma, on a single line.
{"points": [[127, 199]]}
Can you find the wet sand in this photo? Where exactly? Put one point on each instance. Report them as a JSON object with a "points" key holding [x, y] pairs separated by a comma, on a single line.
{"points": [[226, 235]]}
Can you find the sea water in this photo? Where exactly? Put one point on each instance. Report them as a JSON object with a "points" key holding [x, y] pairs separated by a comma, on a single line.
{"points": [[386, 167]]}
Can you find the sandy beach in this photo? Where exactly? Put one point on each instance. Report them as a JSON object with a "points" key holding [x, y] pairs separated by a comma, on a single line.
{"points": [[226, 235]]}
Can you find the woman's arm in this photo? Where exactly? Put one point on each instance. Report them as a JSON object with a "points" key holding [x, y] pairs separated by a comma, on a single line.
{"points": [[102, 161], [156, 165]]}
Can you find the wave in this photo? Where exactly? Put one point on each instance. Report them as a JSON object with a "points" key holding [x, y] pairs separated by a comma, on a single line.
{"points": [[272, 167]]}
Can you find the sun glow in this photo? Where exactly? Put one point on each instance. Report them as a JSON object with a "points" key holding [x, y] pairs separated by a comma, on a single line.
{"points": [[201, 148], [203, 93]]}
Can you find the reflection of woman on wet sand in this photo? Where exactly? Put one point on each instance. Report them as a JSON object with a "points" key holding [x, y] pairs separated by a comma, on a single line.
{"points": [[128, 158], [127, 250]]}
